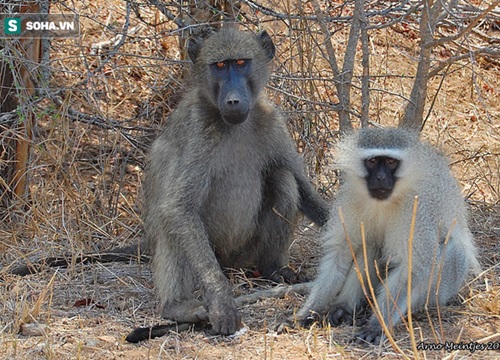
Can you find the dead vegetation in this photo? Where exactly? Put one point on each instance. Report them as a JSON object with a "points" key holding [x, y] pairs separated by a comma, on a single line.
{"points": [[109, 95]]}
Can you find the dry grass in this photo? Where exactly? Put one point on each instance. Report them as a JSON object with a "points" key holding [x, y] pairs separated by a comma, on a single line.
{"points": [[86, 181]]}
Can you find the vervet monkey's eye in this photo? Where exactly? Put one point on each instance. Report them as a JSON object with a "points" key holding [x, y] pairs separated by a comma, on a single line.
{"points": [[240, 62], [372, 162], [220, 64], [391, 163]]}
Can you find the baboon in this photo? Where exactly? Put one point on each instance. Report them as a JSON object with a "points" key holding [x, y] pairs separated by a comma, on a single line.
{"points": [[382, 172], [224, 184]]}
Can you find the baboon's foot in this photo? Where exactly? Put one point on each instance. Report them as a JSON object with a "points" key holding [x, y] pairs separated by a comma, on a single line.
{"points": [[224, 317], [187, 311]]}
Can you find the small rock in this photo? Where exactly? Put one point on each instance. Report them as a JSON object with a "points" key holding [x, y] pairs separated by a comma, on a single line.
{"points": [[107, 338], [33, 329]]}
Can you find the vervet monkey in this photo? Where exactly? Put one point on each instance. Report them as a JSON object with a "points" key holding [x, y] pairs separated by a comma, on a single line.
{"points": [[382, 171], [224, 184]]}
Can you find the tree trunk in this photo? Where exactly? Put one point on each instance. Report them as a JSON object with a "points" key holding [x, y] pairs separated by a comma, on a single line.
{"points": [[18, 87]]}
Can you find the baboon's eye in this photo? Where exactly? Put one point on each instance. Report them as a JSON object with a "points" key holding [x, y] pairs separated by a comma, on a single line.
{"points": [[240, 62], [220, 64]]}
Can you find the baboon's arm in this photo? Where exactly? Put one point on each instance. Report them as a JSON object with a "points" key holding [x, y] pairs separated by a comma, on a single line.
{"points": [[189, 231], [186, 229], [310, 203]]}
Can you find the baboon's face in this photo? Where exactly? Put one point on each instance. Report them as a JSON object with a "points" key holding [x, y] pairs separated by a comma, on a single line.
{"points": [[233, 89], [231, 68]]}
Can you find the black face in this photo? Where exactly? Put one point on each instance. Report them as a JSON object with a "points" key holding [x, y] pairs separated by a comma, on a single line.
{"points": [[233, 89], [381, 177]]}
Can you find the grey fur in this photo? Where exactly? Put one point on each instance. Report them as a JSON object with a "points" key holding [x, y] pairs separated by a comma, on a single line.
{"points": [[218, 194], [424, 172]]}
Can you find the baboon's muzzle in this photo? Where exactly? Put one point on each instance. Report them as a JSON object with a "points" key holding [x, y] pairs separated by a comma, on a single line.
{"points": [[234, 108]]}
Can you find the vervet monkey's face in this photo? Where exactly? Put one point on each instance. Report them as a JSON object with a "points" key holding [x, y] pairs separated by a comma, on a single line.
{"points": [[381, 177]]}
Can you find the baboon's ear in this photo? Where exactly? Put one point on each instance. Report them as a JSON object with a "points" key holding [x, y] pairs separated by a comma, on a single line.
{"points": [[267, 44], [194, 46]]}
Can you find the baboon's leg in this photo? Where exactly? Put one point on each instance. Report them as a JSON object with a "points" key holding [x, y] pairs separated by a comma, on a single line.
{"points": [[183, 263], [175, 286], [186, 311], [275, 226]]}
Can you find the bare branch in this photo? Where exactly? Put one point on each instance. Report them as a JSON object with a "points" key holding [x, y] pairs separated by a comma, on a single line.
{"points": [[332, 58], [365, 78], [468, 28], [413, 117], [9, 118], [348, 67], [168, 14], [432, 14], [487, 51], [342, 79], [277, 292]]}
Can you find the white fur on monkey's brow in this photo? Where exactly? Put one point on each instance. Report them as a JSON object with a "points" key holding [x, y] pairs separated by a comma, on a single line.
{"points": [[386, 152]]}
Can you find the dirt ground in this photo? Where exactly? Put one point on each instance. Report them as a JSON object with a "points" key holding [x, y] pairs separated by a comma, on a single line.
{"points": [[85, 198], [86, 311]]}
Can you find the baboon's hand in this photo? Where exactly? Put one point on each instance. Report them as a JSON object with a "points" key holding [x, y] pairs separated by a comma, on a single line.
{"points": [[369, 334], [224, 317]]}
